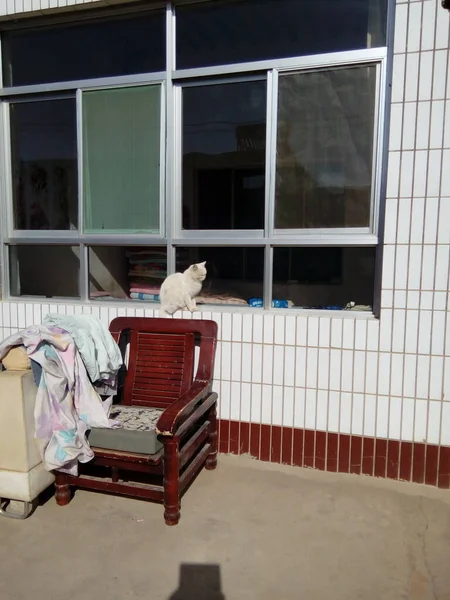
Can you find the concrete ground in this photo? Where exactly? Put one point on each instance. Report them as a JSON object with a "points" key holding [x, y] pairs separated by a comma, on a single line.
{"points": [[248, 531]]}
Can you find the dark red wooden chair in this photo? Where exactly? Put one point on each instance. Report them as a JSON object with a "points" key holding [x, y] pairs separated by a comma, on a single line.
{"points": [[169, 416]]}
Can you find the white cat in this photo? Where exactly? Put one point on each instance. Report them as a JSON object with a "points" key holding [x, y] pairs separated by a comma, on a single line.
{"points": [[179, 290]]}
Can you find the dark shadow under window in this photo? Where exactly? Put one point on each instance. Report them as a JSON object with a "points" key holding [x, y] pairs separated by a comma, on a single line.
{"points": [[126, 273], [325, 277], [44, 270], [235, 275]]}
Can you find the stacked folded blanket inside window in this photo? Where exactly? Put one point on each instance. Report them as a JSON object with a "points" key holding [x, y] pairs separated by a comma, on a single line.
{"points": [[147, 270]]}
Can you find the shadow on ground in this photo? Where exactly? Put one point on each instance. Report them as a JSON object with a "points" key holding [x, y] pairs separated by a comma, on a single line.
{"points": [[199, 582]]}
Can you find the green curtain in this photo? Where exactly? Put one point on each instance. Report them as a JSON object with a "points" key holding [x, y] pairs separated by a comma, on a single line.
{"points": [[121, 160]]}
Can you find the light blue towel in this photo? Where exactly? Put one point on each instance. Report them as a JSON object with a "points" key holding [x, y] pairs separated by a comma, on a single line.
{"points": [[100, 353]]}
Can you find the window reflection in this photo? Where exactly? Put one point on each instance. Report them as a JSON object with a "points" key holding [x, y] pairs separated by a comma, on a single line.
{"points": [[267, 29], [44, 164], [224, 145]]}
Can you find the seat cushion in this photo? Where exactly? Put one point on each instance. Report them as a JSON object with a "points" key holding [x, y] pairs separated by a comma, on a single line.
{"points": [[137, 435]]}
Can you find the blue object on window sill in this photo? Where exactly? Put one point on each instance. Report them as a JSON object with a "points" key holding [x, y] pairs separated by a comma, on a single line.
{"points": [[258, 303]]}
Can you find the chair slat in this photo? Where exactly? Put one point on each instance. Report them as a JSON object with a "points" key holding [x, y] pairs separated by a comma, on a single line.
{"points": [[160, 368]]}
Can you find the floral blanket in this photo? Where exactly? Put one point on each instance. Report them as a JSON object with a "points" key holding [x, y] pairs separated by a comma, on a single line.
{"points": [[67, 404]]}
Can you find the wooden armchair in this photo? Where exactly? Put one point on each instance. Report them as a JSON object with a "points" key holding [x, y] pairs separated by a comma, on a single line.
{"points": [[170, 429]]}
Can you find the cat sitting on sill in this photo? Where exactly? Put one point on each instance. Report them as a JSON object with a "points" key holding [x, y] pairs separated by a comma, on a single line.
{"points": [[179, 290]]}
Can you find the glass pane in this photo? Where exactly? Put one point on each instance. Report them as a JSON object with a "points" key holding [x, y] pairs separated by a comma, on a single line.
{"points": [[121, 160], [49, 271], [323, 278], [92, 48], [235, 275], [44, 164], [324, 148], [126, 273], [268, 29], [224, 145]]}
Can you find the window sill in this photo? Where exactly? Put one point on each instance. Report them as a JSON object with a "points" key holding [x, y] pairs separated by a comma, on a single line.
{"points": [[204, 308]]}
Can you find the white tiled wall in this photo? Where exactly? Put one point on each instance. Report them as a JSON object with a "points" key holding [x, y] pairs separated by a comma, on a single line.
{"points": [[350, 374], [14, 8]]}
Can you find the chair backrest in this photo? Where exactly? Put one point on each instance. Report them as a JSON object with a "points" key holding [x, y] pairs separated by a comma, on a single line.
{"points": [[161, 357]]}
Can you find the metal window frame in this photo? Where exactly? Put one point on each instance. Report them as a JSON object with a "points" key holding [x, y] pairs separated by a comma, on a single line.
{"points": [[171, 234], [317, 236], [325, 233], [80, 233]]}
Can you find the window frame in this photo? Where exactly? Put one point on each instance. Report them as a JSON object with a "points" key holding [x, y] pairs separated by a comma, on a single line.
{"points": [[171, 233], [313, 236]]}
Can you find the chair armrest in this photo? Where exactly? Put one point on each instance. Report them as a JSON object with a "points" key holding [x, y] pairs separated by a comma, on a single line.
{"points": [[182, 408]]}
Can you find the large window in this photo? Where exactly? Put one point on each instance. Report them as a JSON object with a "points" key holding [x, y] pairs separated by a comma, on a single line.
{"points": [[254, 146]]}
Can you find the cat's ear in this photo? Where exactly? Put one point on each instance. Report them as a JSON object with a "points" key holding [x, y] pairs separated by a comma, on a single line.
{"points": [[194, 268], [202, 264]]}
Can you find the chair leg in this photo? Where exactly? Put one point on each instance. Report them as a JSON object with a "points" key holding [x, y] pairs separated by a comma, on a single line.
{"points": [[62, 489], [28, 508], [171, 481], [211, 461]]}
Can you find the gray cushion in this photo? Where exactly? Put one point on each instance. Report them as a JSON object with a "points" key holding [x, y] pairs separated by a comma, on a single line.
{"points": [[137, 435]]}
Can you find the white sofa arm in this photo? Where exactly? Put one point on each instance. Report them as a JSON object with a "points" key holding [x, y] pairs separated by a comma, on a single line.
{"points": [[22, 474]]}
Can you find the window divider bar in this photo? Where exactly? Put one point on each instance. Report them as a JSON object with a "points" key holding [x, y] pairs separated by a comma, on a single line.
{"points": [[79, 117], [3, 173], [244, 78], [3, 204], [214, 241], [5, 199], [291, 240], [69, 238], [171, 199], [5, 272], [62, 238], [29, 99], [85, 84], [313, 61], [268, 277], [378, 124], [271, 147], [177, 163], [218, 234], [84, 273], [8, 196], [162, 158], [322, 232], [42, 236]]}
